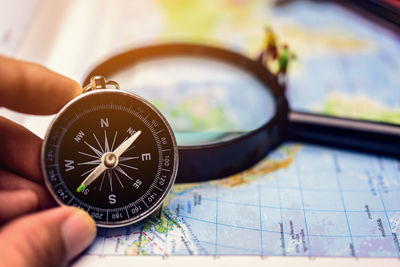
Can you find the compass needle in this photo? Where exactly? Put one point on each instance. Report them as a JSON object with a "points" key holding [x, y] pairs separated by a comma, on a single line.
{"points": [[81, 188], [126, 144], [93, 176], [85, 173]]}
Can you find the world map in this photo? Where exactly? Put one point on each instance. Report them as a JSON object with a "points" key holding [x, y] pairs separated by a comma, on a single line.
{"points": [[301, 200]]}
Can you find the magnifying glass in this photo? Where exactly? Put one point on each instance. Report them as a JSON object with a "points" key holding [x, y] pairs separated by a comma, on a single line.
{"points": [[228, 111]]}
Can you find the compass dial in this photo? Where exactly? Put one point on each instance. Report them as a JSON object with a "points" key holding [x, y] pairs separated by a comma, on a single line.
{"points": [[112, 154]]}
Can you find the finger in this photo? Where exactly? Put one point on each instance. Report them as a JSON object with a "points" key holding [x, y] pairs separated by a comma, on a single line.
{"points": [[12, 182], [31, 88], [48, 238], [18, 203], [19, 150]]}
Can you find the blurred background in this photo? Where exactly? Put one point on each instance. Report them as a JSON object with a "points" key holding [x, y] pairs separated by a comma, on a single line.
{"points": [[348, 60]]}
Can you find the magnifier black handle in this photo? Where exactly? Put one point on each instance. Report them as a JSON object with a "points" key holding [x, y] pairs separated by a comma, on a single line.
{"points": [[365, 136]]}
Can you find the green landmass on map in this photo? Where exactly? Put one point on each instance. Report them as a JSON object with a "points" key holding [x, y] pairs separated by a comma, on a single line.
{"points": [[359, 107], [160, 222]]}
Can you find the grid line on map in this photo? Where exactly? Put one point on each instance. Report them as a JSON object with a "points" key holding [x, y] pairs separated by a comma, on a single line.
{"points": [[278, 187], [295, 209], [327, 189], [302, 204], [260, 213], [388, 221], [166, 230], [272, 231], [216, 219], [234, 247], [337, 172]]}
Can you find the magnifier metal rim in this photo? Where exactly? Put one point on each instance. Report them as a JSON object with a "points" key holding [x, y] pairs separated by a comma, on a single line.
{"points": [[195, 161]]}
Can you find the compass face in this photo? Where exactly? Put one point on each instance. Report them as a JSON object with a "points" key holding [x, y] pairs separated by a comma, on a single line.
{"points": [[112, 154]]}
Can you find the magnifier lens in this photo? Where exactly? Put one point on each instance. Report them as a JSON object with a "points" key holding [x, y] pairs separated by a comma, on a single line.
{"points": [[206, 101]]}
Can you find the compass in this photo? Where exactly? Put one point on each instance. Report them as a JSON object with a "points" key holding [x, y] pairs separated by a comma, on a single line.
{"points": [[111, 153]]}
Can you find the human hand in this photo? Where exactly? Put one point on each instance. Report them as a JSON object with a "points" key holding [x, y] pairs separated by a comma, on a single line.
{"points": [[30, 236]]}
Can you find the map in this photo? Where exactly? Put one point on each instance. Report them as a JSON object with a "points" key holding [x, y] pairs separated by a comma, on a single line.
{"points": [[301, 199]]}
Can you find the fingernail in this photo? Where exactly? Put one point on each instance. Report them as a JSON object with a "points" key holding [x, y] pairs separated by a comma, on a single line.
{"points": [[78, 232]]}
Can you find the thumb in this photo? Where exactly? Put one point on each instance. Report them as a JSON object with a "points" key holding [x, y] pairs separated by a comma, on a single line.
{"points": [[48, 238]]}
